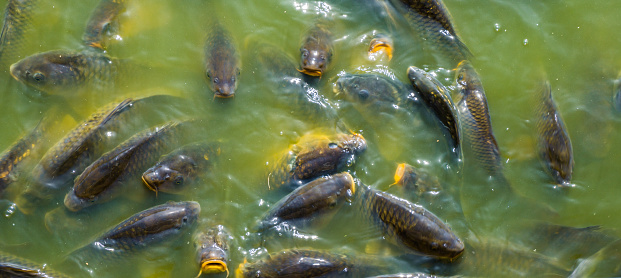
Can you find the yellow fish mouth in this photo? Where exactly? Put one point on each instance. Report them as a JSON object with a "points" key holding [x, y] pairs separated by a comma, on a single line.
{"points": [[399, 173], [149, 185], [213, 266], [311, 72], [377, 46]]}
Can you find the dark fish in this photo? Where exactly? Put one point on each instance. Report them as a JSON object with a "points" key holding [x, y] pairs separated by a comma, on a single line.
{"points": [[12, 266], [17, 21], [553, 142], [72, 154], [222, 63], [316, 50], [296, 94], [313, 199], [102, 23], [100, 181], [315, 156], [212, 249], [15, 154], [415, 180], [410, 225], [475, 120], [372, 91], [303, 263], [437, 97], [63, 71], [175, 170], [432, 21], [381, 43], [150, 226]]}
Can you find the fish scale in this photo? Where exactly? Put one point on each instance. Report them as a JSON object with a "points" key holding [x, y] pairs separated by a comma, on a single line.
{"points": [[16, 153], [17, 21], [102, 17], [13, 266]]}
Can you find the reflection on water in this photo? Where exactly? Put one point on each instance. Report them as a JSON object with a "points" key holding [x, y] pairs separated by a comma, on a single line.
{"points": [[161, 45]]}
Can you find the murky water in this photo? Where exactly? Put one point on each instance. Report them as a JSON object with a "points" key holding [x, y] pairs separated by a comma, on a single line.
{"points": [[573, 41]]}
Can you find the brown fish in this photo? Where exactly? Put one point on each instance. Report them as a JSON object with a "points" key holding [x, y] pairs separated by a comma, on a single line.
{"points": [[17, 22], [101, 24], [222, 63], [212, 250], [316, 50]]}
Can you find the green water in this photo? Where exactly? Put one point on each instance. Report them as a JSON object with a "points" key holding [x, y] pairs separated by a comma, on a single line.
{"points": [[573, 41]]}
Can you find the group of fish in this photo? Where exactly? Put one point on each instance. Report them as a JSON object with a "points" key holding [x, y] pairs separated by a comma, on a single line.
{"points": [[91, 165]]}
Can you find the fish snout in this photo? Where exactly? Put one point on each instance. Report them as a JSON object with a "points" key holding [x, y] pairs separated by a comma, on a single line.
{"points": [[15, 71], [151, 179], [224, 91]]}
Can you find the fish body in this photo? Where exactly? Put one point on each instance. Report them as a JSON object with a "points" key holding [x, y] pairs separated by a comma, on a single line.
{"points": [[308, 201], [436, 96], [316, 49], [554, 143], [63, 71], [433, 22], [150, 226], [12, 266], [475, 120], [100, 180], [308, 160], [222, 62], [212, 250], [373, 92], [175, 170], [300, 263], [411, 225], [73, 153], [16, 153], [102, 23], [17, 21]]}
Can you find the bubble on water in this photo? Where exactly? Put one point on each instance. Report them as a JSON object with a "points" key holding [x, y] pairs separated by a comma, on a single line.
{"points": [[497, 27], [525, 41], [10, 211]]}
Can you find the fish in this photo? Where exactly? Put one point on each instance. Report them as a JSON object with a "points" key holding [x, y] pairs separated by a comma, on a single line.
{"points": [[381, 43], [554, 144], [102, 23], [146, 228], [18, 17], [212, 250], [305, 263], [410, 275], [410, 225], [64, 72], [311, 200], [373, 92], [175, 170], [72, 154], [432, 21], [100, 181], [222, 62], [604, 263], [13, 156], [437, 98], [475, 120], [315, 156], [316, 49], [416, 180], [14, 266]]}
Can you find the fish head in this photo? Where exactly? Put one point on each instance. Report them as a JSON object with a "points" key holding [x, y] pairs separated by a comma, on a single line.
{"points": [[353, 143], [163, 178], [561, 161], [314, 61], [223, 81], [466, 77], [381, 43], [173, 216], [48, 71], [212, 250], [367, 89], [405, 174]]}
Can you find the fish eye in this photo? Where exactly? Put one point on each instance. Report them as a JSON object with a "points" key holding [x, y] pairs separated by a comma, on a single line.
{"points": [[304, 53], [184, 219], [363, 94], [208, 75], [238, 72], [38, 77], [332, 145], [178, 180]]}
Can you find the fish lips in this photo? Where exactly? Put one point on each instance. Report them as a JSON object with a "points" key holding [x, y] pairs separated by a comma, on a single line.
{"points": [[224, 91]]}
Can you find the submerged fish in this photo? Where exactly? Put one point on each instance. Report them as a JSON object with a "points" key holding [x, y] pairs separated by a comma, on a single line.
{"points": [[372, 91], [605, 263], [175, 170], [100, 181], [72, 154], [150, 226], [17, 21], [13, 266], [313, 199], [305, 263], [63, 71], [222, 63], [437, 97], [16, 153], [381, 44], [101, 24], [415, 180], [212, 250], [410, 225], [316, 50], [432, 21], [315, 156], [475, 120], [554, 144]]}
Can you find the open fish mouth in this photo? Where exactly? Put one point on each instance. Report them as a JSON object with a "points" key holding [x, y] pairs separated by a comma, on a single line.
{"points": [[149, 184], [311, 72], [214, 266], [377, 46], [216, 95], [12, 71]]}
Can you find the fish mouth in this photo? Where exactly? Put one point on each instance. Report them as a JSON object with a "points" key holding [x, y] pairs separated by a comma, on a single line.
{"points": [[214, 266], [239, 272], [399, 173], [149, 184], [12, 71], [221, 95], [311, 72], [377, 46]]}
